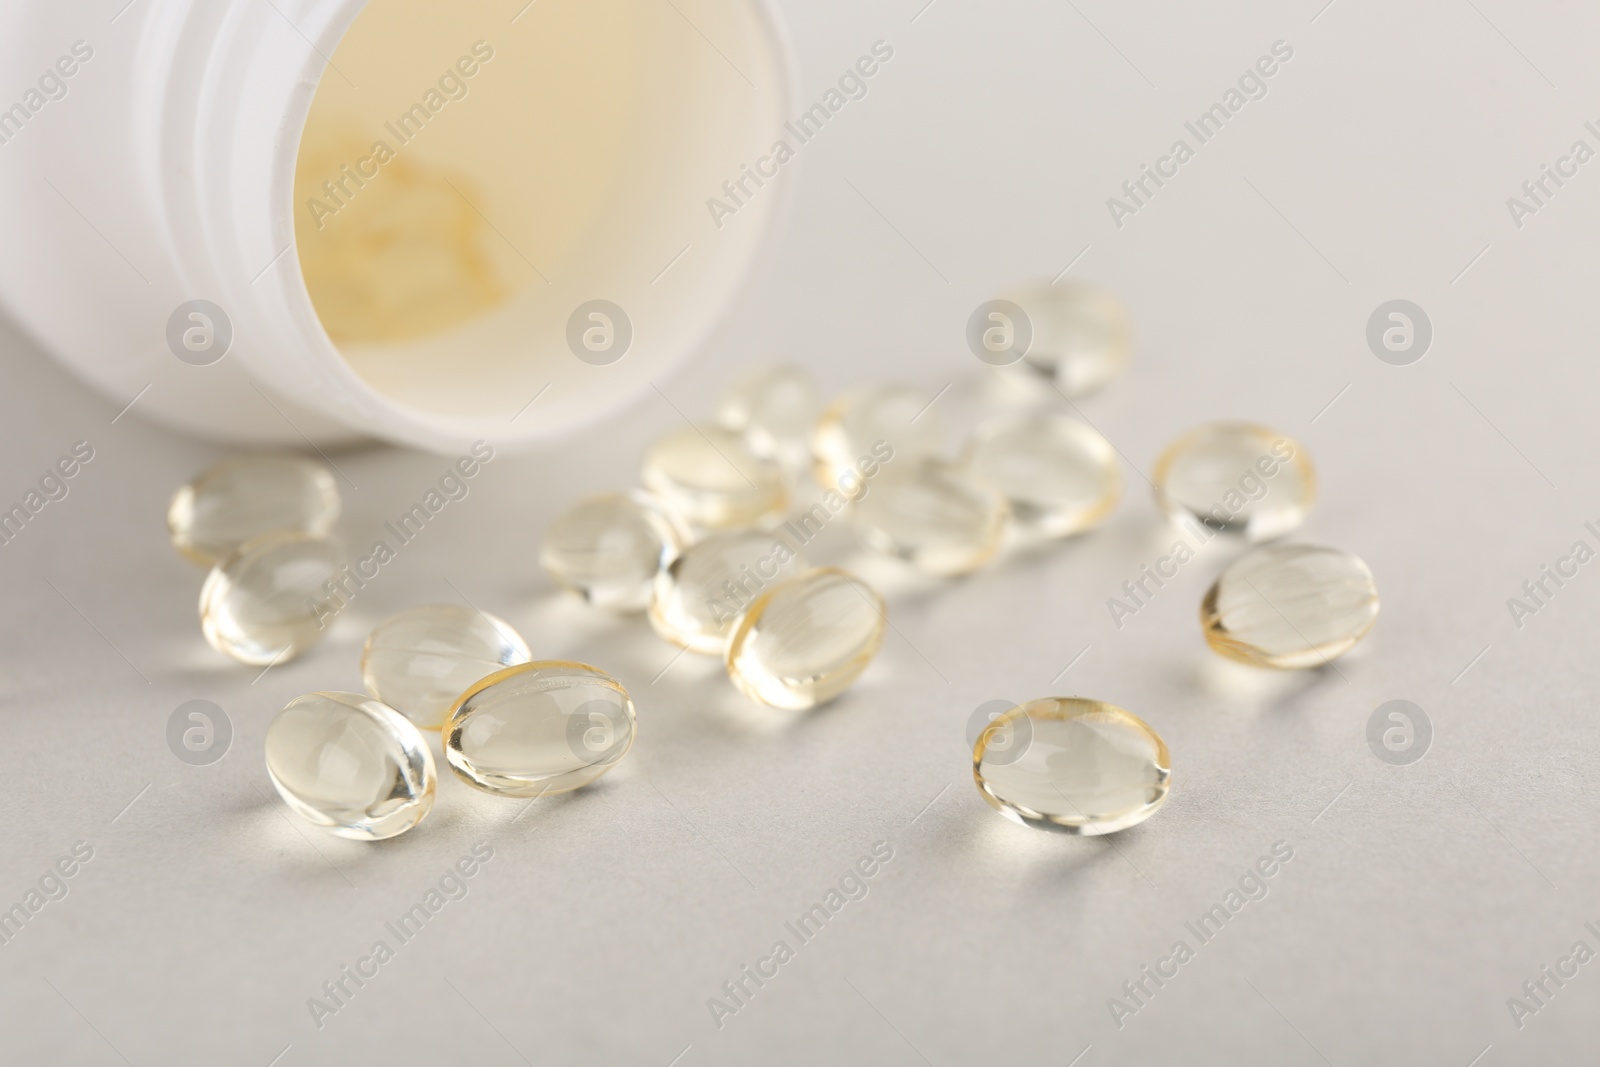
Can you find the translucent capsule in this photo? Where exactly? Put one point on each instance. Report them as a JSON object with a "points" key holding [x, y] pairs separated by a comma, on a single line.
{"points": [[351, 764], [869, 426], [1081, 336], [419, 661], [933, 514], [1238, 477], [245, 497], [1058, 474], [1290, 606], [539, 728], [776, 410], [710, 477], [806, 640], [701, 594], [608, 548], [1077, 766], [271, 600]]}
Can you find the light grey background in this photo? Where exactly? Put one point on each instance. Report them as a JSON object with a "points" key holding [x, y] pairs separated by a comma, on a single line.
{"points": [[1419, 898]]}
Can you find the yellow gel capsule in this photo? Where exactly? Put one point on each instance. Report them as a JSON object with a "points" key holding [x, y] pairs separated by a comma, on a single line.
{"points": [[1072, 765], [1290, 606], [1237, 477], [419, 661], [272, 599], [776, 410], [869, 425], [539, 728], [934, 515], [710, 477], [608, 548], [1058, 474], [1081, 335], [241, 498], [701, 594], [806, 640], [350, 764]]}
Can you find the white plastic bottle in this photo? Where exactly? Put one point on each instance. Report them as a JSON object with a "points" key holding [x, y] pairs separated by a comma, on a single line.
{"points": [[425, 221]]}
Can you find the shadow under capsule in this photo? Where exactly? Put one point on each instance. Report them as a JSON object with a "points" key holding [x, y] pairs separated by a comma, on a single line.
{"points": [[561, 611], [509, 815], [736, 714], [1260, 689], [1030, 855], [304, 850]]}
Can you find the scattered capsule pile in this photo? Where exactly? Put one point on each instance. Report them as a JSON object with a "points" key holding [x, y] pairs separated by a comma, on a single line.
{"points": [[359, 764], [712, 549], [705, 551]]}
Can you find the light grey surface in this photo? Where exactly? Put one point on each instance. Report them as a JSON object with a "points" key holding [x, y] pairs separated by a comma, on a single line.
{"points": [[1419, 898]]}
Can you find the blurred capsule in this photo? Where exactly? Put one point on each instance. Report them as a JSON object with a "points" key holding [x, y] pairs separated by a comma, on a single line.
{"points": [[776, 410], [419, 661], [1290, 606], [1237, 477], [1059, 475], [1080, 335], [710, 477], [933, 514], [873, 424], [700, 595], [608, 548], [228, 504]]}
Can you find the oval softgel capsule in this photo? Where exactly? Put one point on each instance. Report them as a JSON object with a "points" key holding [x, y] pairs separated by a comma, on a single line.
{"points": [[1290, 606], [419, 661], [881, 422], [699, 597], [268, 602], [1072, 765], [245, 497], [545, 727], [351, 764], [934, 515], [608, 548], [1058, 474], [1236, 477], [806, 640], [711, 478]]}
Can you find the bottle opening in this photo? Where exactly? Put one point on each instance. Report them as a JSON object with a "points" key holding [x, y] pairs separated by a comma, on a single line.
{"points": [[469, 175]]}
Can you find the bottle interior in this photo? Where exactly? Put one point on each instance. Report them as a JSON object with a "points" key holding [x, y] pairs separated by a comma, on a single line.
{"points": [[469, 174]]}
